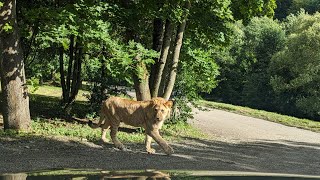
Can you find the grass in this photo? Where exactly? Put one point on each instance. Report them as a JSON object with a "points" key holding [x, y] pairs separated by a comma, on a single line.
{"points": [[270, 116], [49, 120], [53, 91]]}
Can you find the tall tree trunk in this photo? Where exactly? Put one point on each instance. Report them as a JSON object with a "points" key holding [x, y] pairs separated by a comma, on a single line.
{"points": [[71, 83], [76, 80], [163, 58], [175, 60], [16, 114], [62, 76], [71, 59], [141, 83], [76, 76], [157, 45]]}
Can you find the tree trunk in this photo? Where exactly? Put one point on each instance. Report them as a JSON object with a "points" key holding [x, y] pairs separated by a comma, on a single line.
{"points": [[163, 58], [62, 76], [141, 84], [157, 44], [71, 54], [72, 82], [76, 76], [173, 69], [16, 114]]}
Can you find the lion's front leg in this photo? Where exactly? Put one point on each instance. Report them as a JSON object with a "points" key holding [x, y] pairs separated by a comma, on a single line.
{"points": [[156, 136], [148, 145]]}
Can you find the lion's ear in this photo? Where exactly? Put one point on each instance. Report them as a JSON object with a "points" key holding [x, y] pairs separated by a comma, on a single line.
{"points": [[169, 104]]}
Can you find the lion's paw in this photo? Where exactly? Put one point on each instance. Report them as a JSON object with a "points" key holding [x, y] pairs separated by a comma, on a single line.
{"points": [[120, 146], [169, 150], [151, 151]]}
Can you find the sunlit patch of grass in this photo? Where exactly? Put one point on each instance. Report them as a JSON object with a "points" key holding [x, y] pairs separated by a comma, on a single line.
{"points": [[75, 130], [57, 127], [53, 91], [270, 116], [48, 119]]}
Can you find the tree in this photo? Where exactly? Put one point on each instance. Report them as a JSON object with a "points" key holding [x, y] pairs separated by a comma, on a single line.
{"points": [[247, 9], [245, 78], [169, 21], [287, 7], [310, 6], [295, 69], [69, 31], [16, 113], [263, 38], [283, 8]]}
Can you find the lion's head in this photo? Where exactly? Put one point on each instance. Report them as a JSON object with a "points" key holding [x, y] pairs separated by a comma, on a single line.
{"points": [[162, 108]]}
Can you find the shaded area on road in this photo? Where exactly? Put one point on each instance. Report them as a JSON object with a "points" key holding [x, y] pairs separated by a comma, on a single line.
{"points": [[35, 153]]}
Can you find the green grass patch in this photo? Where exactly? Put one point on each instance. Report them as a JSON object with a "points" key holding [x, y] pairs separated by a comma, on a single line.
{"points": [[270, 116], [75, 130], [54, 91], [58, 128], [48, 119]]}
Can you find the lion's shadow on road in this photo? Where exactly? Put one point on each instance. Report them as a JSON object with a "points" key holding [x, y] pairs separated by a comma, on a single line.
{"points": [[35, 153]]}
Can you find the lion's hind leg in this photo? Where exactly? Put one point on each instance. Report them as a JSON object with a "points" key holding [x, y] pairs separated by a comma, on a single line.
{"points": [[104, 127], [113, 134]]}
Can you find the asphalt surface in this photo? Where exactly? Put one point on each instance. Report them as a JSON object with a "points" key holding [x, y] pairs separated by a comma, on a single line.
{"points": [[238, 143]]}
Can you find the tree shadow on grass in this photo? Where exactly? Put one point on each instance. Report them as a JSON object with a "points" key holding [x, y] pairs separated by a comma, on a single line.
{"points": [[20, 154]]}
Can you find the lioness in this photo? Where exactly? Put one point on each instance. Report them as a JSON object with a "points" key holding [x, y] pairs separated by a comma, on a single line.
{"points": [[147, 114]]}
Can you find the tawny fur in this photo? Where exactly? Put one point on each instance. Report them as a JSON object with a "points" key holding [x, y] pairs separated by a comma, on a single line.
{"points": [[147, 114]]}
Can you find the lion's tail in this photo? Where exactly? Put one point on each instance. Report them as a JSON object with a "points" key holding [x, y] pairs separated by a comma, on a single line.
{"points": [[94, 126]]}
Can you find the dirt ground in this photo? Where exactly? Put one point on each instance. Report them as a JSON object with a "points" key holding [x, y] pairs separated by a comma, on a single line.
{"points": [[238, 144]]}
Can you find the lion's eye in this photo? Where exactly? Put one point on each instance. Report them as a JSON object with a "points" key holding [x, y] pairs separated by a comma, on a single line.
{"points": [[162, 110]]}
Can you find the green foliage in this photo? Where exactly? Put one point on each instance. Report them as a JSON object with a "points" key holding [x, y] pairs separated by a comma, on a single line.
{"points": [[7, 28], [106, 74], [247, 9], [264, 37], [82, 20], [182, 110], [244, 65], [208, 23], [295, 69], [197, 73], [310, 6], [282, 10], [287, 7], [34, 84]]}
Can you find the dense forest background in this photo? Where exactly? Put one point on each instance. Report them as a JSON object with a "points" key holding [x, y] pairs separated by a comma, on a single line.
{"points": [[263, 54], [273, 64]]}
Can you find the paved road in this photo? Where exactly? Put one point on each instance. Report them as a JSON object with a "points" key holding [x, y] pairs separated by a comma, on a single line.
{"points": [[233, 127], [240, 144]]}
